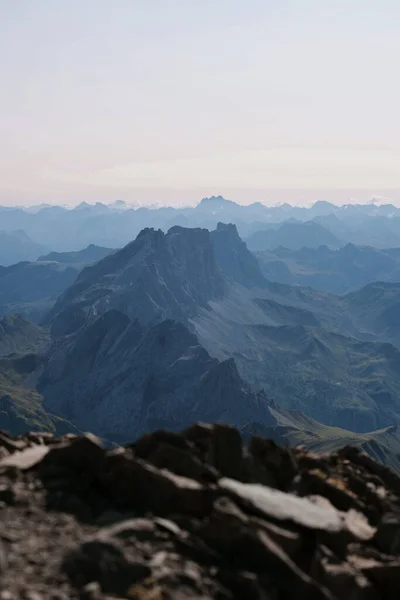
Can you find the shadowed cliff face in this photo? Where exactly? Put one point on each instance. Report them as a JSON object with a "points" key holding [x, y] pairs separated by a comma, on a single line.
{"points": [[118, 379], [234, 259], [158, 276]]}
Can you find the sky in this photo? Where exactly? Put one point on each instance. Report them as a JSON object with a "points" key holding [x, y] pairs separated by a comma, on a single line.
{"points": [[168, 101]]}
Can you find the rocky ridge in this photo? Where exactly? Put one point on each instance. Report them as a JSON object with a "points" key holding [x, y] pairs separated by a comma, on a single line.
{"points": [[194, 515]]}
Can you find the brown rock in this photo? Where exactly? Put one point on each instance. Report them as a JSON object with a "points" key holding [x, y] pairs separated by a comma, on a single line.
{"points": [[137, 484], [384, 573], [343, 579], [182, 462], [85, 452], [256, 551], [279, 461], [357, 457], [388, 533], [7, 494], [104, 563], [147, 445], [219, 445]]}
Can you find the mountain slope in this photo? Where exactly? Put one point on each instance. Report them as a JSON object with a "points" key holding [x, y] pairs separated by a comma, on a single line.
{"points": [[293, 235], [119, 380], [87, 256], [16, 246], [20, 336], [287, 340], [234, 259], [336, 379], [155, 277], [375, 309], [32, 288], [21, 405], [337, 271]]}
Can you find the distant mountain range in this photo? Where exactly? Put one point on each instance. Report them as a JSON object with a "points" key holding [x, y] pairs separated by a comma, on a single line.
{"points": [[31, 288], [16, 246], [293, 235], [113, 226], [337, 271]]}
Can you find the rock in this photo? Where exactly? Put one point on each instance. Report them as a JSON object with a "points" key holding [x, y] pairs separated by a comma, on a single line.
{"points": [[344, 580], [24, 459], [3, 558], [141, 485], [182, 462], [220, 445], [85, 452], [105, 564], [259, 553], [227, 451], [91, 591], [148, 444], [158, 519], [279, 506], [388, 533], [357, 457], [384, 573], [10, 444], [7, 494], [278, 461]]}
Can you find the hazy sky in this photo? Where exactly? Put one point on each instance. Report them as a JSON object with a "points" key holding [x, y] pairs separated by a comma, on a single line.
{"points": [[171, 100]]}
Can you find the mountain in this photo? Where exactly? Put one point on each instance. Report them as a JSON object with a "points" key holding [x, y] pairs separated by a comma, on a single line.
{"points": [[16, 246], [308, 354], [311, 351], [20, 336], [337, 271], [158, 276], [21, 405], [234, 259], [31, 288], [116, 224], [293, 235], [87, 256], [375, 309], [120, 380]]}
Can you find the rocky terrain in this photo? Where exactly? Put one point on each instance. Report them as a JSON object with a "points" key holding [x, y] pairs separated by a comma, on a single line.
{"points": [[194, 515]]}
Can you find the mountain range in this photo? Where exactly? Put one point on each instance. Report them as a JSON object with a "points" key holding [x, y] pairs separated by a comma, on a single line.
{"points": [[16, 246], [184, 325], [339, 271], [332, 357], [31, 288], [113, 226]]}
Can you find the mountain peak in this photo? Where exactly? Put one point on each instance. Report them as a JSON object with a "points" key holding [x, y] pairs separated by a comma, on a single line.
{"points": [[216, 202], [228, 227], [234, 258], [155, 277]]}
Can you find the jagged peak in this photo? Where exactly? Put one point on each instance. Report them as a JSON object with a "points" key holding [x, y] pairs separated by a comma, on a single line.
{"points": [[150, 233], [228, 227]]}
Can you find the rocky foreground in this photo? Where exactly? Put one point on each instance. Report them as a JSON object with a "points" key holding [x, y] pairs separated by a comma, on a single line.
{"points": [[194, 515]]}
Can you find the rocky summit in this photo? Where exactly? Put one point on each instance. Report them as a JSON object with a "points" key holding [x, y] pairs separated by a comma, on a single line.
{"points": [[194, 514]]}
